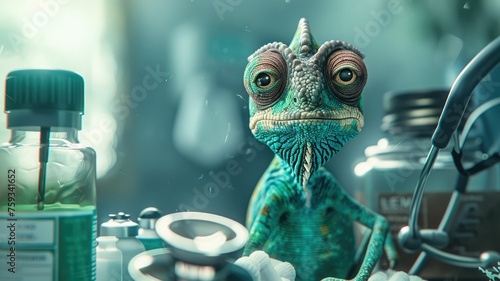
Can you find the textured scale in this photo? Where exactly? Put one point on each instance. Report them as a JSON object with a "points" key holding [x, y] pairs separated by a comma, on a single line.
{"points": [[305, 104]]}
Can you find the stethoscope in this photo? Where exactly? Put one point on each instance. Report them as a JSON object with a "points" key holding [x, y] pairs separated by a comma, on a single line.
{"points": [[411, 237]]}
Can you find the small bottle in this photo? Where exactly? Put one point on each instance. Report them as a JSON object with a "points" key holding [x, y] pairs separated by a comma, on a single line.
{"points": [[47, 180], [109, 259], [147, 228], [121, 227]]}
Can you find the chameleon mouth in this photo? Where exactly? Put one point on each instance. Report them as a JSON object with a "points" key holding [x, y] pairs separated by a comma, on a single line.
{"points": [[269, 123]]}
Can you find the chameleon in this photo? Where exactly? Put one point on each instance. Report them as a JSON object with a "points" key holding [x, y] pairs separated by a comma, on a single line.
{"points": [[305, 103]]}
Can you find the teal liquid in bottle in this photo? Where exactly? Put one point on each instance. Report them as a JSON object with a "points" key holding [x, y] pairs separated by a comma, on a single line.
{"points": [[47, 181], [147, 229]]}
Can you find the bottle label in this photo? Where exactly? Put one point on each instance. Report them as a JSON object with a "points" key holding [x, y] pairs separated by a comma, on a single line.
{"points": [[474, 228], [54, 244]]}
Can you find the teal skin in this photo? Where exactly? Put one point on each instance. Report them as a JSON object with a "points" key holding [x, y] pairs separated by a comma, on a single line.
{"points": [[305, 104]]}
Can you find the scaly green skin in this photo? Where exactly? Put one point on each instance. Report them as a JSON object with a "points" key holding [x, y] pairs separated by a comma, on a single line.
{"points": [[305, 104]]}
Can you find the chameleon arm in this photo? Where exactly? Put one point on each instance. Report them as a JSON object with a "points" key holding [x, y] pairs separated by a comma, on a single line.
{"points": [[389, 248], [374, 250], [345, 204], [263, 224]]}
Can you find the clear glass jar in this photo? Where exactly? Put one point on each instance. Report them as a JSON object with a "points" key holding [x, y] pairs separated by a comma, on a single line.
{"points": [[47, 181], [391, 171]]}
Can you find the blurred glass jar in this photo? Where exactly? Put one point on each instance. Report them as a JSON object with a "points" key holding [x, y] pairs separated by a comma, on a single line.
{"points": [[391, 171]]}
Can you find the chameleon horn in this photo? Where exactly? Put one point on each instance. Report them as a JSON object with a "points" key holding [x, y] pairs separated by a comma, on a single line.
{"points": [[303, 42]]}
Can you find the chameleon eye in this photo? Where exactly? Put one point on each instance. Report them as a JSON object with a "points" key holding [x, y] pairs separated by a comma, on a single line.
{"points": [[265, 78], [346, 75]]}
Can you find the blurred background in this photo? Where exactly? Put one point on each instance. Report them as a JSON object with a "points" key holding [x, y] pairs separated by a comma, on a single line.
{"points": [[166, 110]]}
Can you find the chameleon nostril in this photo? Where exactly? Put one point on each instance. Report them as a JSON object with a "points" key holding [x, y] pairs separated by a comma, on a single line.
{"points": [[295, 100]]}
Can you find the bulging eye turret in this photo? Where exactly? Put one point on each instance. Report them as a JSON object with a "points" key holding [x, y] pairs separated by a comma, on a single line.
{"points": [[346, 75], [265, 78]]}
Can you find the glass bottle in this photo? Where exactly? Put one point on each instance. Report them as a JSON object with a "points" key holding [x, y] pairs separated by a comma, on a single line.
{"points": [[147, 228], [109, 259], [47, 180], [122, 227], [391, 171]]}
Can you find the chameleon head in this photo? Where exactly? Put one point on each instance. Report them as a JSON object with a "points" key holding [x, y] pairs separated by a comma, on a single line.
{"points": [[305, 99]]}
